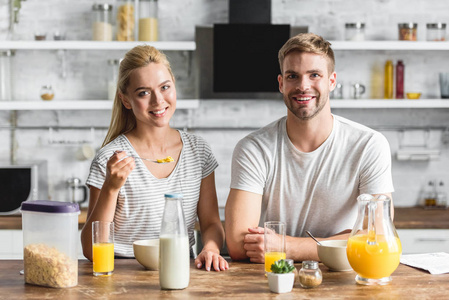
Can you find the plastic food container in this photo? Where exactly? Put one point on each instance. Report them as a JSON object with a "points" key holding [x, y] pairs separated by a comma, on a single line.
{"points": [[50, 241], [436, 31], [407, 31]]}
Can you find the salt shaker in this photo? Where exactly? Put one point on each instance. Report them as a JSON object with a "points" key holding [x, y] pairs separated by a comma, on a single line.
{"points": [[310, 275]]}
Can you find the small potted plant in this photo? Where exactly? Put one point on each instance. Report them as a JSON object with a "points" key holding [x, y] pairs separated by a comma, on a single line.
{"points": [[282, 277]]}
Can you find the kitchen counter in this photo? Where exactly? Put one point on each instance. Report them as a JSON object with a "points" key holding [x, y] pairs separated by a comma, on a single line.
{"points": [[243, 280], [15, 221], [404, 218], [419, 218]]}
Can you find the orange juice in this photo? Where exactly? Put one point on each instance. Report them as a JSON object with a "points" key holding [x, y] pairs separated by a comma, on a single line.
{"points": [[103, 258], [373, 261], [271, 257]]}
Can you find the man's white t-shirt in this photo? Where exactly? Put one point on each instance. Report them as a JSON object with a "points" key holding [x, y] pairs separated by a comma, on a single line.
{"points": [[318, 190]]}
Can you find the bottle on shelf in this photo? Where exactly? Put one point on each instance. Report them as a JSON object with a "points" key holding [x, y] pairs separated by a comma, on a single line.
{"points": [[388, 80], [148, 24], [400, 80], [441, 195], [430, 197]]}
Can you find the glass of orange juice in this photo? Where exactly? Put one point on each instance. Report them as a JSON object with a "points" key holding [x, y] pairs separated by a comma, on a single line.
{"points": [[103, 248], [274, 243]]}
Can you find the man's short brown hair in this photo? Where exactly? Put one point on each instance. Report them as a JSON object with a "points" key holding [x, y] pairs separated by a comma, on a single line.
{"points": [[310, 43]]}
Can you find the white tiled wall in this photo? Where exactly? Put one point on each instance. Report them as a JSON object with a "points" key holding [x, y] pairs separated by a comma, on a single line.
{"points": [[87, 74]]}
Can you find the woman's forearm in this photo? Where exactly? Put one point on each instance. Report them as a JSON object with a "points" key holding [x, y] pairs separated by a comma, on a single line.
{"points": [[213, 237], [103, 209]]}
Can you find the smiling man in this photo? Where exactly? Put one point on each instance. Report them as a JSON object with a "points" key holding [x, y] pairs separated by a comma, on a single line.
{"points": [[307, 168]]}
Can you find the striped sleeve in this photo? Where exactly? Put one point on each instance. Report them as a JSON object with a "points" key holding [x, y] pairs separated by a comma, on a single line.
{"points": [[210, 162]]}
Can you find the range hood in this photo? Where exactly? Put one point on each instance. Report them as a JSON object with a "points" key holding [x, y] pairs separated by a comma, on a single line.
{"points": [[240, 59]]}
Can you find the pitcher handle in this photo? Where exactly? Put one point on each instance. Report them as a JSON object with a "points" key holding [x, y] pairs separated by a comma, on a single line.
{"points": [[372, 206]]}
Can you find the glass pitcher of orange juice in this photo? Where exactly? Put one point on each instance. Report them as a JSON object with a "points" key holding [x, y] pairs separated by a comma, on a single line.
{"points": [[374, 248]]}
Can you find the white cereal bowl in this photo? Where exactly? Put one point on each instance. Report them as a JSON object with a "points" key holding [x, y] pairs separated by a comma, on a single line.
{"points": [[332, 254], [147, 253]]}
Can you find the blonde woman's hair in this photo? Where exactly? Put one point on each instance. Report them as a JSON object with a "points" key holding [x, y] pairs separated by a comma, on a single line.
{"points": [[123, 119], [310, 43]]}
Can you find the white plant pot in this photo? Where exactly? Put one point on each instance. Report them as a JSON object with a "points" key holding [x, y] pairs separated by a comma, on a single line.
{"points": [[281, 283]]}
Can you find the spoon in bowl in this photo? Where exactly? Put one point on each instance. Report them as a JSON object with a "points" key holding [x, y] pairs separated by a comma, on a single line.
{"points": [[309, 234]]}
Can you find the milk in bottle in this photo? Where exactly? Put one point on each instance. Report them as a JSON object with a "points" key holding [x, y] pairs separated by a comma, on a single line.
{"points": [[174, 252]]}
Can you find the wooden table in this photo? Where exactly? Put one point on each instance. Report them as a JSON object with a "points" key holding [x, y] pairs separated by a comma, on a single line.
{"points": [[242, 281]]}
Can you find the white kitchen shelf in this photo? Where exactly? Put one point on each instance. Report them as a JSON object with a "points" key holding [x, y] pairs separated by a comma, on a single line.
{"points": [[191, 45], [78, 105], [389, 103], [389, 45], [93, 45], [194, 103]]}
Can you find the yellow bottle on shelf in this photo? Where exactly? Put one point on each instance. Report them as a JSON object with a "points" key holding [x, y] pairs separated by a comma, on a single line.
{"points": [[388, 83]]}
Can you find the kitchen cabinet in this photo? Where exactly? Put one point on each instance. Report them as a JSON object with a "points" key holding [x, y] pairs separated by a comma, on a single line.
{"points": [[424, 240], [11, 245]]}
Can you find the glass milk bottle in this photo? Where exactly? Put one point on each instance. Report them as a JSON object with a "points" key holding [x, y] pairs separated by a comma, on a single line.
{"points": [[148, 24], [174, 253]]}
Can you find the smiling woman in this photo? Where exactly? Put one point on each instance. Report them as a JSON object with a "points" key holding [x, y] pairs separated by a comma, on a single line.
{"points": [[131, 192]]}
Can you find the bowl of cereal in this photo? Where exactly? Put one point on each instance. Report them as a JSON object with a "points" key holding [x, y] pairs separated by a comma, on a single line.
{"points": [[146, 253], [332, 254]]}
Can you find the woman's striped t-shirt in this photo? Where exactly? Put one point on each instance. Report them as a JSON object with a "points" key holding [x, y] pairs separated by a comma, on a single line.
{"points": [[141, 201]]}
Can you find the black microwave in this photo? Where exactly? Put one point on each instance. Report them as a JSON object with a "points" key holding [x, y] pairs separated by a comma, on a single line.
{"points": [[21, 182]]}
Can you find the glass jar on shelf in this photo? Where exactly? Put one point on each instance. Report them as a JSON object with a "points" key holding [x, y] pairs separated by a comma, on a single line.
{"points": [[407, 31], [102, 22], [125, 20], [47, 92], [112, 78], [5, 75], [436, 32], [355, 31], [148, 22]]}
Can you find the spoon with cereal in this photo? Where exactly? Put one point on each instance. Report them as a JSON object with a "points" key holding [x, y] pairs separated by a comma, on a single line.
{"points": [[166, 160]]}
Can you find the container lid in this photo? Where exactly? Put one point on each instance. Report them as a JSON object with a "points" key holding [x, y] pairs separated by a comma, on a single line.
{"points": [[436, 25], [355, 25], [104, 7], [173, 195], [50, 206], [310, 264], [408, 25]]}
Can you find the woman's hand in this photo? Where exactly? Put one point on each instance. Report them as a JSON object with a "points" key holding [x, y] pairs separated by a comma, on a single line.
{"points": [[118, 168], [208, 258]]}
